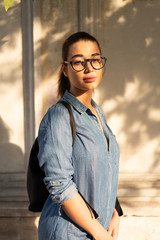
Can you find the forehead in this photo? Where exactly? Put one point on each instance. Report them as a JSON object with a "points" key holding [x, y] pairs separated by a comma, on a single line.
{"points": [[84, 48]]}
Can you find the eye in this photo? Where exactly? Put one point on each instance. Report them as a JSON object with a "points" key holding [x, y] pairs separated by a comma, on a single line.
{"points": [[78, 62], [96, 60]]}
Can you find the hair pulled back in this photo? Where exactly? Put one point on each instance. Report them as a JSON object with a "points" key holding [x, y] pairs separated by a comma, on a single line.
{"points": [[63, 81]]}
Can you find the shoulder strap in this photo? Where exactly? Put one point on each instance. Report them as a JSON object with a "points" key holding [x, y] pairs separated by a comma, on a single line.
{"points": [[72, 121]]}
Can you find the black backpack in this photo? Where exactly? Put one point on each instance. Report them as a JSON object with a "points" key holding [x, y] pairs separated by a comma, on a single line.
{"points": [[36, 188]]}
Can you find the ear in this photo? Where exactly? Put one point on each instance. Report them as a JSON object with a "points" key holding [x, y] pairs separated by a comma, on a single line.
{"points": [[64, 70]]}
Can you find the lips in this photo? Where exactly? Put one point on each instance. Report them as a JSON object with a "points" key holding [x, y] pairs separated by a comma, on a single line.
{"points": [[89, 79]]}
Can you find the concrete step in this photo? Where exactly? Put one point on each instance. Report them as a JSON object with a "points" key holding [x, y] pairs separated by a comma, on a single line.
{"points": [[13, 188], [139, 194]]}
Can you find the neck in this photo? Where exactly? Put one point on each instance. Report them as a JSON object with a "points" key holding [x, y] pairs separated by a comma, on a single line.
{"points": [[84, 97]]}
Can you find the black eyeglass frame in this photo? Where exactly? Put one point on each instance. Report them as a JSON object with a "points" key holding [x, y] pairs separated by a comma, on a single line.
{"points": [[85, 63]]}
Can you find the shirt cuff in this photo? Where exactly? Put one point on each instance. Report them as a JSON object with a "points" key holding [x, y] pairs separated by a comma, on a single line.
{"points": [[65, 195]]}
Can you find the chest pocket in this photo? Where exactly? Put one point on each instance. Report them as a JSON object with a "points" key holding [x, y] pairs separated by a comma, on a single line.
{"points": [[113, 149]]}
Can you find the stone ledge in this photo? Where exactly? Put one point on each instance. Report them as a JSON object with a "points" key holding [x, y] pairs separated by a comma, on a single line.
{"points": [[140, 206], [16, 210]]}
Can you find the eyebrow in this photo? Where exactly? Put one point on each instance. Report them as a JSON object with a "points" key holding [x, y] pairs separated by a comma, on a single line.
{"points": [[80, 55]]}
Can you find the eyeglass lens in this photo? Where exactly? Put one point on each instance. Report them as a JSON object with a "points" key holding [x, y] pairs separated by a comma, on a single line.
{"points": [[97, 62]]}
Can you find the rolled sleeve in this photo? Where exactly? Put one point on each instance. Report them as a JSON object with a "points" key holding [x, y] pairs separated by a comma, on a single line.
{"points": [[55, 154]]}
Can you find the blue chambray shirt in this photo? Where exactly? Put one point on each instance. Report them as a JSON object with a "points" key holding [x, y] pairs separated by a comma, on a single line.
{"points": [[89, 167]]}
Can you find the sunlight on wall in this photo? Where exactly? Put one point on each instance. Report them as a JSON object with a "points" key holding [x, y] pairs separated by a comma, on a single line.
{"points": [[117, 120], [135, 91], [141, 158], [115, 5], [11, 89], [45, 83], [148, 41], [121, 20], [37, 33], [89, 20], [154, 114], [138, 148], [157, 20], [61, 35], [49, 88]]}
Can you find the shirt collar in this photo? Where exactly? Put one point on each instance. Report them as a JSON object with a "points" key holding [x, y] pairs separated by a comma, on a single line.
{"points": [[80, 107]]}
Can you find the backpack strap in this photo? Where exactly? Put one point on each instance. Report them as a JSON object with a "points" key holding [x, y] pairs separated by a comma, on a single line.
{"points": [[72, 121]]}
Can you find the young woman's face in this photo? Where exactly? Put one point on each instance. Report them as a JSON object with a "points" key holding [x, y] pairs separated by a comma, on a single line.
{"points": [[89, 78]]}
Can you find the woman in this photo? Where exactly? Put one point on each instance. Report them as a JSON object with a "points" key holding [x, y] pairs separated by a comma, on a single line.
{"points": [[81, 179]]}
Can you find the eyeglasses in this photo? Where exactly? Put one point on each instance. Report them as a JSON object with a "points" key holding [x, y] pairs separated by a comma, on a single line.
{"points": [[79, 63]]}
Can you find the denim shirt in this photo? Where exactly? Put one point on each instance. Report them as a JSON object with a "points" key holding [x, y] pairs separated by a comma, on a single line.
{"points": [[89, 167]]}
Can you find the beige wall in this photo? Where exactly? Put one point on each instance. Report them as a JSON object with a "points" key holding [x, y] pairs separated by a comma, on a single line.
{"points": [[130, 93], [11, 91], [129, 33]]}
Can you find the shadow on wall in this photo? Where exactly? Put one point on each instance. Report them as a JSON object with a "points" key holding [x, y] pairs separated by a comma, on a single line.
{"points": [[9, 27], [130, 92], [11, 156]]}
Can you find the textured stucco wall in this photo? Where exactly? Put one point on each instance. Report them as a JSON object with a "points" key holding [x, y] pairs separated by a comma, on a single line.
{"points": [[129, 33], [130, 93]]}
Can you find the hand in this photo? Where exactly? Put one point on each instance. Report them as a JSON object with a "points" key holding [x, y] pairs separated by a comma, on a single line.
{"points": [[103, 235], [104, 238], [114, 225]]}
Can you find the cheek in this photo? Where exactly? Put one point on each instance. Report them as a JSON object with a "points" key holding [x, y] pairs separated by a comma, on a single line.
{"points": [[75, 76], [100, 74]]}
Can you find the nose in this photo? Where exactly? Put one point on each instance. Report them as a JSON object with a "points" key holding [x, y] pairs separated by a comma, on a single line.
{"points": [[88, 67]]}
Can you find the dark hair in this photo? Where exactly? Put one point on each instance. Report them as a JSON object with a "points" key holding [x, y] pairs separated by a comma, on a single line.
{"points": [[63, 81]]}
